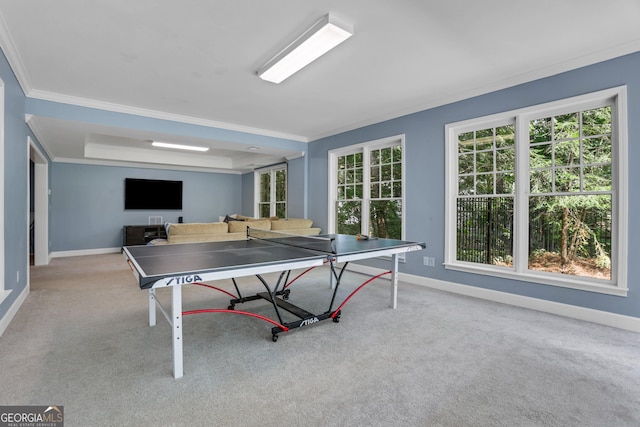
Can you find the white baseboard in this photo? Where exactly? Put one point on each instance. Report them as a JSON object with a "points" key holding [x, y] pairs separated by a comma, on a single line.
{"points": [[81, 252], [581, 313], [619, 321], [13, 309], [8, 317], [4, 294]]}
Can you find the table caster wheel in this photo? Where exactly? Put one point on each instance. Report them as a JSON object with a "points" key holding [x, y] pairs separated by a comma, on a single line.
{"points": [[231, 307], [336, 320], [274, 338]]}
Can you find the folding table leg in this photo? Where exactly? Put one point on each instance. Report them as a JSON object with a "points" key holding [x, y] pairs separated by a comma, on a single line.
{"points": [[152, 307], [332, 277], [394, 281], [176, 324]]}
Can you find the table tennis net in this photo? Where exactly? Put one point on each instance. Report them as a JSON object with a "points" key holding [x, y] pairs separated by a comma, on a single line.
{"points": [[312, 243]]}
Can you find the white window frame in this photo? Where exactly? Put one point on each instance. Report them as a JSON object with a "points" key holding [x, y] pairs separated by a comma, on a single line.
{"points": [[365, 148], [3, 291], [272, 199], [618, 283]]}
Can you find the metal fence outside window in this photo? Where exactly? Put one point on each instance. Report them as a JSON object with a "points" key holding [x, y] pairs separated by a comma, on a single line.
{"points": [[485, 231]]}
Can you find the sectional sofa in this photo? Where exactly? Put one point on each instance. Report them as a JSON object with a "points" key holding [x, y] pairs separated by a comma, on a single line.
{"points": [[236, 229]]}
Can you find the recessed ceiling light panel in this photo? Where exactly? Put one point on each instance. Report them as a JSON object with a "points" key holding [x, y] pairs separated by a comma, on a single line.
{"points": [[179, 146], [323, 36]]}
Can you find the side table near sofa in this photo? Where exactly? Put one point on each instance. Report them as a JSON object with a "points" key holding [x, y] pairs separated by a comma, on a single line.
{"points": [[142, 234]]}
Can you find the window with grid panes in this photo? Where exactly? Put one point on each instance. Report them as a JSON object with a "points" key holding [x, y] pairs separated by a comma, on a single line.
{"points": [[486, 177], [350, 194], [368, 189], [385, 196], [272, 192], [3, 292], [535, 194]]}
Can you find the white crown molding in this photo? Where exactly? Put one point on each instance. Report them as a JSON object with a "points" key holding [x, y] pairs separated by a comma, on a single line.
{"points": [[13, 56], [99, 151], [17, 65], [39, 134], [294, 156], [124, 164], [558, 68], [125, 109]]}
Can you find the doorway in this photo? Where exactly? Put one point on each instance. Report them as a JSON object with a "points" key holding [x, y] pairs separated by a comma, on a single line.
{"points": [[39, 206]]}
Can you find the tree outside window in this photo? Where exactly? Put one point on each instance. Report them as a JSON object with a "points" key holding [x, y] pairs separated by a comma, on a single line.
{"points": [[369, 190], [570, 202], [272, 192], [385, 196], [536, 193]]}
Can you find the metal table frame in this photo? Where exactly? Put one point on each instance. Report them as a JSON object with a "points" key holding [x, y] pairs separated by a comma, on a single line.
{"points": [[175, 314]]}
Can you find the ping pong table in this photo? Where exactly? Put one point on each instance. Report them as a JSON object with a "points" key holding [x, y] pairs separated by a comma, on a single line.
{"points": [[263, 252]]}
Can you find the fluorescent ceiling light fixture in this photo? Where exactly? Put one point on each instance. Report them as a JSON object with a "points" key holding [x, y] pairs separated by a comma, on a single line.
{"points": [[323, 36], [179, 146]]}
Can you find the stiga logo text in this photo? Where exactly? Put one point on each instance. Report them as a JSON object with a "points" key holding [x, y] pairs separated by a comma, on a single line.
{"points": [[307, 322], [183, 280], [31, 416]]}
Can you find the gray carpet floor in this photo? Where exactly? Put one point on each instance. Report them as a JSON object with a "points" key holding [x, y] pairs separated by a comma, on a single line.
{"points": [[82, 340]]}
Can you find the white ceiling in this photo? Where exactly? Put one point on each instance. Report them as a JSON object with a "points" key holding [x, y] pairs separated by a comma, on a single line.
{"points": [[196, 62]]}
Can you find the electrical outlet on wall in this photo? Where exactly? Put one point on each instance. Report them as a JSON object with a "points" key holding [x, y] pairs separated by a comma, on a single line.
{"points": [[154, 220], [429, 261]]}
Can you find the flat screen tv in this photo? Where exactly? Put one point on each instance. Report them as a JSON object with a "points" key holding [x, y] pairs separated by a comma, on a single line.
{"points": [[152, 194]]}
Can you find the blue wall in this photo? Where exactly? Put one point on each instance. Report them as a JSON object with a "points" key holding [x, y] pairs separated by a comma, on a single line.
{"points": [[16, 169], [57, 110], [425, 175], [247, 195], [77, 190], [297, 189], [87, 202]]}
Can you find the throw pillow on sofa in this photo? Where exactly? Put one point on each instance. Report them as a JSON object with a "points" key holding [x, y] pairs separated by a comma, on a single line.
{"points": [[241, 226], [291, 224], [192, 228], [230, 218], [222, 218]]}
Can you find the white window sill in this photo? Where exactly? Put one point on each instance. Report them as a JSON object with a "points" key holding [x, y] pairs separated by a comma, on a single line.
{"points": [[572, 282]]}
